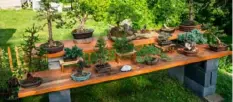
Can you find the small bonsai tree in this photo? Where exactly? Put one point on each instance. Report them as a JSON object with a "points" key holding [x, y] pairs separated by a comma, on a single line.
{"points": [[194, 36], [80, 66], [191, 15], [83, 9], [29, 43], [49, 14], [149, 53], [102, 52], [123, 46], [163, 38], [213, 34], [73, 53]]}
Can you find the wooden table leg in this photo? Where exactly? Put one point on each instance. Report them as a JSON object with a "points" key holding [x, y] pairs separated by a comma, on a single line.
{"points": [[117, 58]]}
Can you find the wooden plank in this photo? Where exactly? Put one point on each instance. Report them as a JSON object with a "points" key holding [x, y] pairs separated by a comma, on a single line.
{"points": [[17, 56], [89, 48], [10, 58], [53, 82]]}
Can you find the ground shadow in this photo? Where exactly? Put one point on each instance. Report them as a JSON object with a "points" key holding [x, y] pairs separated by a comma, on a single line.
{"points": [[5, 35]]}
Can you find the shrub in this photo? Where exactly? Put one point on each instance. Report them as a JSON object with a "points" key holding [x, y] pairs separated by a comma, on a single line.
{"points": [[73, 53], [123, 46], [193, 36], [102, 52]]}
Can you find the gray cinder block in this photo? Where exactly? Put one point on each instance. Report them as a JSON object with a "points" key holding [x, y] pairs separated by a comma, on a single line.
{"points": [[60, 96], [178, 73]]}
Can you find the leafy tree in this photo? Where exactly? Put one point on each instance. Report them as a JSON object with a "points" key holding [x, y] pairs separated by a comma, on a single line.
{"points": [[49, 14], [84, 9], [102, 52]]}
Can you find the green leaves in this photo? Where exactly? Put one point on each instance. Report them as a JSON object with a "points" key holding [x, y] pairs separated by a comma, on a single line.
{"points": [[123, 46], [102, 52], [73, 53]]}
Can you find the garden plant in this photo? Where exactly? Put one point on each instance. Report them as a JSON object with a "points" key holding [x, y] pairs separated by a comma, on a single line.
{"points": [[72, 54], [123, 46], [80, 75]]}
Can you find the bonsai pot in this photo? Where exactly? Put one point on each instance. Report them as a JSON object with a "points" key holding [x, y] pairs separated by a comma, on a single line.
{"points": [[152, 62], [188, 26], [189, 53], [168, 30], [82, 35], [83, 77], [105, 68], [59, 47], [164, 43], [218, 48], [30, 81]]}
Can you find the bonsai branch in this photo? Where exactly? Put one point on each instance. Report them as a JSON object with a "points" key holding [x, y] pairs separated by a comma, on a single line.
{"points": [[82, 20]]}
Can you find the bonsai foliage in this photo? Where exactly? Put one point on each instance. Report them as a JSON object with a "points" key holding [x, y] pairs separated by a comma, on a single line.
{"points": [[193, 36], [29, 42], [102, 52], [73, 53], [49, 14], [84, 9], [213, 33], [147, 53], [80, 66], [123, 46], [5, 71]]}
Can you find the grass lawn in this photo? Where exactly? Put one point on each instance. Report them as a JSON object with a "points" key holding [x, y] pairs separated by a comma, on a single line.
{"points": [[153, 87]]}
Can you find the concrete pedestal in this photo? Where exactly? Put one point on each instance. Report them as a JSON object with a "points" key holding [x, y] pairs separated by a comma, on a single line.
{"points": [[200, 77], [59, 96]]}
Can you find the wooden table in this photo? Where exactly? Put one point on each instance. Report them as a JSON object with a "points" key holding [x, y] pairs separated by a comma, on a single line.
{"points": [[55, 80]]}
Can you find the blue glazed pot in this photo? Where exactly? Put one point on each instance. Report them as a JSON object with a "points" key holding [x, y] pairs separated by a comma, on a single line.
{"points": [[81, 78]]}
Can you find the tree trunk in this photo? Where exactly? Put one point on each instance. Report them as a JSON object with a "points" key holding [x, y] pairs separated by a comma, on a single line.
{"points": [[191, 12], [82, 23], [50, 40]]}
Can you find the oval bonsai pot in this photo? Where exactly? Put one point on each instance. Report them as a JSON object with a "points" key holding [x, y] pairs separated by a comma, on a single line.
{"points": [[152, 62], [26, 84], [189, 25], [218, 48], [54, 49], [171, 30], [86, 76], [190, 53], [82, 35]]}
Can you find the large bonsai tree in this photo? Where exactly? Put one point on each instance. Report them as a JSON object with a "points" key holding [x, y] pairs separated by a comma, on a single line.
{"points": [[84, 9], [49, 14]]}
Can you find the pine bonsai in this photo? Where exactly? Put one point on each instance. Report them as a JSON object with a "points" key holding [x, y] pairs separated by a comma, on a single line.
{"points": [[102, 52], [123, 46]]}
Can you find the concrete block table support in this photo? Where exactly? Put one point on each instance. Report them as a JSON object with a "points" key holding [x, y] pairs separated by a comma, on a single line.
{"points": [[59, 96], [200, 77]]}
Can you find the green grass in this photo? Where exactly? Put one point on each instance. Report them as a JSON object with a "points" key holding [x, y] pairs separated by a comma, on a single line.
{"points": [[154, 87]]}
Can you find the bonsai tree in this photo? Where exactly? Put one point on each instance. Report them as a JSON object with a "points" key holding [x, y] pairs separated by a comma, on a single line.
{"points": [[102, 55], [163, 39], [80, 66], [80, 75], [213, 34], [123, 46], [82, 11], [73, 53], [49, 14], [29, 42], [150, 55], [194, 36]]}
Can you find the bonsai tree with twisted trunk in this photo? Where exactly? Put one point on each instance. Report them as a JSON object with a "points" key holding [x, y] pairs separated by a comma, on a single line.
{"points": [[82, 11], [50, 14]]}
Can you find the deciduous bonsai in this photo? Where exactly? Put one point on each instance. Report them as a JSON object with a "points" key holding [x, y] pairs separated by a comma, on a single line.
{"points": [[102, 54], [81, 12], [190, 24], [215, 44], [80, 75], [50, 14], [73, 53]]}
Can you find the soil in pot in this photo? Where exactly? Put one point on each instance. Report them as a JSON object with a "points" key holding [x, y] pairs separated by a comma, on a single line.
{"points": [[54, 49], [218, 47], [152, 62], [83, 74], [104, 68], [30, 81], [164, 43], [87, 33]]}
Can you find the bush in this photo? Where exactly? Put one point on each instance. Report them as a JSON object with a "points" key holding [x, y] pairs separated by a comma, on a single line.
{"points": [[123, 46]]}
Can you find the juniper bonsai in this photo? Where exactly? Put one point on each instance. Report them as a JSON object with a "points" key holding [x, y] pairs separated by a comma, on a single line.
{"points": [[102, 52], [193, 36], [123, 46], [73, 53]]}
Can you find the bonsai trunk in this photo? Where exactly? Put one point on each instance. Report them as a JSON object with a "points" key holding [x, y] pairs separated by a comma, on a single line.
{"points": [[82, 23], [50, 41], [191, 14]]}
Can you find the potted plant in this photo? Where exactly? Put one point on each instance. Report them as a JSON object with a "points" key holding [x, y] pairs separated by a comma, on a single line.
{"points": [[80, 75], [102, 55], [28, 46], [81, 12], [49, 14], [190, 39], [72, 54], [215, 44], [190, 24], [167, 29], [123, 47], [145, 33], [163, 39], [150, 55]]}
